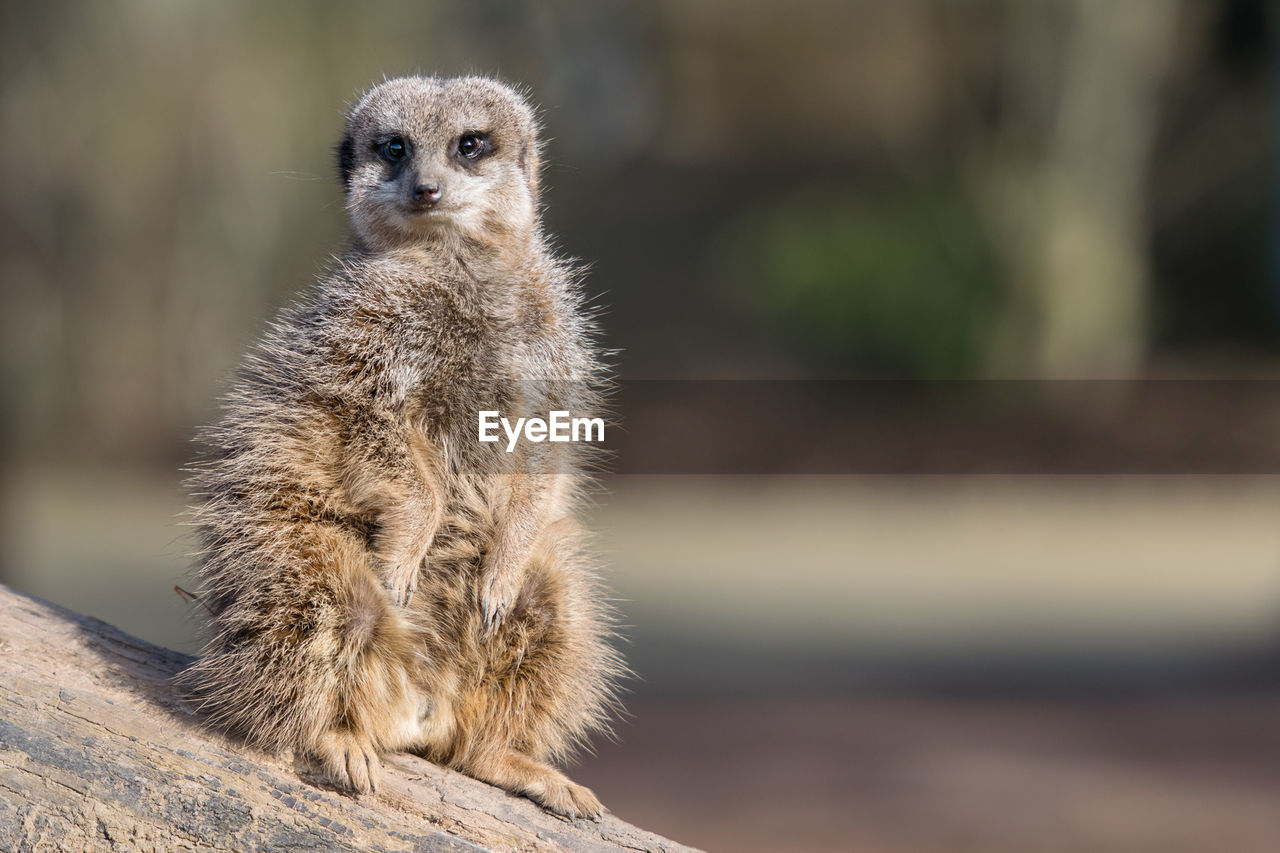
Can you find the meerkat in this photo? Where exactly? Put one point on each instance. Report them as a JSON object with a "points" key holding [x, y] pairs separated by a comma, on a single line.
{"points": [[378, 580]]}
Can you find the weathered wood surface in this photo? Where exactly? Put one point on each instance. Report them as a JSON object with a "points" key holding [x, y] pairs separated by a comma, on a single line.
{"points": [[97, 752]]}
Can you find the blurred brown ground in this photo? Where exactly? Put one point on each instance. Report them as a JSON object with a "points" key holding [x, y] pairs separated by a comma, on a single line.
{"points": [[868, 663], [920, 775]]}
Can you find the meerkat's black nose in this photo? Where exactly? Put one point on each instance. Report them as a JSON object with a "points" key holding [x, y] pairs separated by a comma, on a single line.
{"points": [[425, 195]]}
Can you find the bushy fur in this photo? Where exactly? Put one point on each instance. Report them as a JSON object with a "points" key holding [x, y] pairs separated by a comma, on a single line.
{"points": [[377, 579]]}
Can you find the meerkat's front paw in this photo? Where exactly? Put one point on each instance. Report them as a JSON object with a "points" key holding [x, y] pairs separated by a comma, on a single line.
{"points": [[349, 761], [497, 597], [402, 583]]}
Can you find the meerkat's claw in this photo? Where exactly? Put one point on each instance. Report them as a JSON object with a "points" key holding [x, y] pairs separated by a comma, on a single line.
{"points": [[402, 586], [496, 602], [570, 800], [491, 617], [349, 761], [402, 596]]}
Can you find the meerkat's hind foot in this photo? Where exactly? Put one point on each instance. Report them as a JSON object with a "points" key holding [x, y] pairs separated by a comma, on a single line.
{"points": [[570, 799], [348, 761], [540, 782]]}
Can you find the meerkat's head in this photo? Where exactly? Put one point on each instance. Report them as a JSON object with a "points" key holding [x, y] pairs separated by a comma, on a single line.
{"points": [[428, 158]]}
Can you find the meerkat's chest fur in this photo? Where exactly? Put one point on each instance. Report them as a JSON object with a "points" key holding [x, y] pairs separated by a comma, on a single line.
{"points": [[445, 341]]}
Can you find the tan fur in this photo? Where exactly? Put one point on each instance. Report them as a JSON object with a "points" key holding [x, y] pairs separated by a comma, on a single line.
{"points": [[377, 578]]}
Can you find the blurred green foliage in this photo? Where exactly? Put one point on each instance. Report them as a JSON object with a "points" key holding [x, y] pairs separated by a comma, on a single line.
{"points": [[898, 283]]}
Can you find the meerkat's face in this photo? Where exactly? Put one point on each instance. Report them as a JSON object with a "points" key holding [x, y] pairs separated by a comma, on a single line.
{"points": [[427, 158]]}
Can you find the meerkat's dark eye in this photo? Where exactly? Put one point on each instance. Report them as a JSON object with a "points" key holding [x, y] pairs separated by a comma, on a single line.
{"points": [[394, 149], [473, 146]]}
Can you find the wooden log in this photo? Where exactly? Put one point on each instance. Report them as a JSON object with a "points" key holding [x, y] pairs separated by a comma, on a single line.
{"points": [[98, 752]]}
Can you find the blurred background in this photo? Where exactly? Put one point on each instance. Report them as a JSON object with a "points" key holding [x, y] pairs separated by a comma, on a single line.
{"points": [[1059, 194]]}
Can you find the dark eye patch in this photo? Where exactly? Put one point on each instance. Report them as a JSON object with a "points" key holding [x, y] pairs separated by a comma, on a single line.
{"points": [[393, 148]]}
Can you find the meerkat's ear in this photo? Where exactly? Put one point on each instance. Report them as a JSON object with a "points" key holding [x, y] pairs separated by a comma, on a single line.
{"points": [[531, 163], [346, 150]]}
